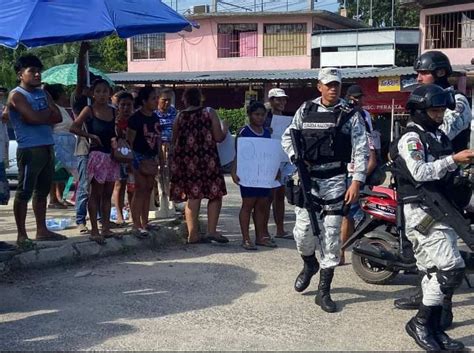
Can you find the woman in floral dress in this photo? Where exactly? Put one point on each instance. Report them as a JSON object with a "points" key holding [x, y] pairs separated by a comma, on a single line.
{"points": [[195, 168]]}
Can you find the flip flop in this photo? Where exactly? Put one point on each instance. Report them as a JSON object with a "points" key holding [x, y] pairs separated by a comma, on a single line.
{"points": [[26, 244], [83, 229], [285, 235], [267, 243], [140, 233], [217, 237], [248, 245], [98, 239], [52, 237], [199, 241]]}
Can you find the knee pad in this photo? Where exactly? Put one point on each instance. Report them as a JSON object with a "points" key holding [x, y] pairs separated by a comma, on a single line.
{"points": [[450, 280]]}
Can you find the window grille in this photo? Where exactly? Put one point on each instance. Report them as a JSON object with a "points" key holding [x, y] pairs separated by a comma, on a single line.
{"points": [[450, 30], [285, 39], [236, 40], [149, 46]]}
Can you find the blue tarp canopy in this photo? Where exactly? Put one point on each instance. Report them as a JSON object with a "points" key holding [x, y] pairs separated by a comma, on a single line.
{"points": [[35, 23]]}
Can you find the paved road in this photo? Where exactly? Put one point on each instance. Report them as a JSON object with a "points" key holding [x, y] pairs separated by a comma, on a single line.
{"points": [[204, 297]]}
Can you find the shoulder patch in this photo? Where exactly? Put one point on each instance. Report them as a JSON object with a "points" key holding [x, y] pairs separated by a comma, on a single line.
{"points": [[416, 155], [414, 145]]}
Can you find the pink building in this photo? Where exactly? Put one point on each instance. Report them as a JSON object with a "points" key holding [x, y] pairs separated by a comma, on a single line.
{"points": [[235, 41], [447, 25]]}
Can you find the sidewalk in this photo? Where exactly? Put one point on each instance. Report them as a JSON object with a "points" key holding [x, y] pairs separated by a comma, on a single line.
{"points": [[78, 247]]}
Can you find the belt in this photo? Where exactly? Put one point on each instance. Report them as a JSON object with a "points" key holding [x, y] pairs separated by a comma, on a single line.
{"points": [[328, 174]]}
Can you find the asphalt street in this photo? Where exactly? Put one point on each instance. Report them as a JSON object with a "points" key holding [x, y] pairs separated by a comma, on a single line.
{"points": [[206, 297]]}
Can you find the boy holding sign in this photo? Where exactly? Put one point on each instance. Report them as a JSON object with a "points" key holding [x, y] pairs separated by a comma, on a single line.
{"points": [[254, 198]]}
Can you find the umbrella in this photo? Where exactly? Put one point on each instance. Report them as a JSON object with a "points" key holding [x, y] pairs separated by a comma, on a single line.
{"points": [[35, 23], [67, 75]]}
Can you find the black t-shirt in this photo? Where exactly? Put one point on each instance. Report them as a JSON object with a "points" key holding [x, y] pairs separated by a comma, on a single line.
{"points": [[104, 129], [148, 133]]}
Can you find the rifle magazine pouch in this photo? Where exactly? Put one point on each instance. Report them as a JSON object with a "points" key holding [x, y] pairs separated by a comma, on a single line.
{"points": [[294, 193]]}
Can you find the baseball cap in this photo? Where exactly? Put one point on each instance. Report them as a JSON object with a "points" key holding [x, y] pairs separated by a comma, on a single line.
{"points": [[329, 74], [354, 91], [276, 92]]}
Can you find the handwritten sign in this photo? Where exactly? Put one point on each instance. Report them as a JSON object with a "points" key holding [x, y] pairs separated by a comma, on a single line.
{"points": [[279, 124], [258, 160]]}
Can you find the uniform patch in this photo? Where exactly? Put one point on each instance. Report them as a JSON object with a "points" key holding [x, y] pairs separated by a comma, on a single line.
{"points": [[416, 155], [459, 108], [414, 145]]}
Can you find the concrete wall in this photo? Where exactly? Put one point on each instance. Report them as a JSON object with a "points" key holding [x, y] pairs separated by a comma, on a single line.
{"points": [[458, 56]]}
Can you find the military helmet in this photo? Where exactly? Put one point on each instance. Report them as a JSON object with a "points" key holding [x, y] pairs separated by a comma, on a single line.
{"points": [[432, 61], [431, 96]]}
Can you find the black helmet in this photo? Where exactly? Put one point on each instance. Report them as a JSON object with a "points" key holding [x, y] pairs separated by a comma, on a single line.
{"points": [[432, 61], [431, 96]]}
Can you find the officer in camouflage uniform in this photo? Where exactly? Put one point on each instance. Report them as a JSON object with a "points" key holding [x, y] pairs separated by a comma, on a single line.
{"points": [[433, 67], [329, 180], [426, 154]]}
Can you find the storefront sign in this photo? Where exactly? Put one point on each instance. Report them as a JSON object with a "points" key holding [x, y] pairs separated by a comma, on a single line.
{"points": [[389, 84]]}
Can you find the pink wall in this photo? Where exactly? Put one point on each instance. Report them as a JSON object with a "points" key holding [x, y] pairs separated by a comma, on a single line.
{"points": [[458, 56], [197, 51]]}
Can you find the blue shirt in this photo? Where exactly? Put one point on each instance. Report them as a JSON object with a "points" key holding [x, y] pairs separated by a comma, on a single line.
{"points": [[32, 135], [248, 132], [166, 123]]}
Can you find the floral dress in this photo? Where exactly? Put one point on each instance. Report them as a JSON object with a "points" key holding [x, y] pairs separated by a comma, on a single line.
{"points": [[195, 166]]}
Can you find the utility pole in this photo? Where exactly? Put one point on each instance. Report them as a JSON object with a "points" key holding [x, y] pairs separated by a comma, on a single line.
{"points": [[261, 8], [311, 5], [371, 21], [357, 11], [393, 10]]}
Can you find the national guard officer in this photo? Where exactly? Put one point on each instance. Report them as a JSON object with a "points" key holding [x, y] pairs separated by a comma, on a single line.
{"points": [[424, 155], [336, 130], [433, 67]]}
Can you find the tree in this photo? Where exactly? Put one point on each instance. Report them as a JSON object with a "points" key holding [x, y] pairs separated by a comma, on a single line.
{"points": [[382, 13], [111, 54]]}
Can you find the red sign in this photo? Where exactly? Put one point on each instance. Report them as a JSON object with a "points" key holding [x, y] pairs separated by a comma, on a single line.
{"points": [[381, 102]]}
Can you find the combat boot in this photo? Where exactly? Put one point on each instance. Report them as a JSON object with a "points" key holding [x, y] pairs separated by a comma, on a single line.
{"points": [[447, 312], [311, 267], [323, 298], [420, 328], [446, 342], [410, 303]]}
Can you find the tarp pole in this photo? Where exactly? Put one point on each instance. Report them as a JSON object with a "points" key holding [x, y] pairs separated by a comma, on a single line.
{"points": [[392, 120]]}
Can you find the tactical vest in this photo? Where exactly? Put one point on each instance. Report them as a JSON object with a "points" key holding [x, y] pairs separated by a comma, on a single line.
{"points": [[450, 186], [323, 142]]}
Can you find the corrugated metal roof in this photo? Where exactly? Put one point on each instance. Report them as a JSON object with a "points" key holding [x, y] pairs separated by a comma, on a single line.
{"points": [[258, 76]]}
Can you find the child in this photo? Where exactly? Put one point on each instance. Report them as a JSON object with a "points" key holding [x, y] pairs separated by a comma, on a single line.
{"points": [[254, 199]]}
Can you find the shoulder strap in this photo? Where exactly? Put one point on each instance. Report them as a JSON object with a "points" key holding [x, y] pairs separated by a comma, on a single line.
{"points": [[309, 107], [344, 117]]}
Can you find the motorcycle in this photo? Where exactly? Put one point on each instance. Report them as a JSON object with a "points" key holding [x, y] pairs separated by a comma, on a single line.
{"points": [[380, 249]]}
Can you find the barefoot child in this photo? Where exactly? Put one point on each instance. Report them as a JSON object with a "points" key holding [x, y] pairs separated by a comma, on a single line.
{"points": [[254, 199]]}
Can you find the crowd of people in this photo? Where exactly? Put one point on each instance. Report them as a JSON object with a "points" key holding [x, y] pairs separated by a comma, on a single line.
{"points": [[118, 145]]}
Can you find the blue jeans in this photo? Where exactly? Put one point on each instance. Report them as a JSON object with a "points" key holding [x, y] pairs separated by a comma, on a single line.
{"points": [[82, 193]]}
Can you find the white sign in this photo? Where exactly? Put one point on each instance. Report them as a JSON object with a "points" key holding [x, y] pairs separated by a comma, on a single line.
{"points": [[258, 161], [279, 124], [226, 149]]}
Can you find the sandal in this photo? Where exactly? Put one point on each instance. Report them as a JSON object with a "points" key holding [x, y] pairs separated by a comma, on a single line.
{"points": [[52, 237], [285, 235], [267, 242], [26, 244], [218, 237], [115, 225], [140, 233], [98, 239], [199, 241], [248, 245], [83, 228]]}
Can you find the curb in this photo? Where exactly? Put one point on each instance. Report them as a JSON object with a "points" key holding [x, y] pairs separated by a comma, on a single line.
{"points": [[50, 254]]}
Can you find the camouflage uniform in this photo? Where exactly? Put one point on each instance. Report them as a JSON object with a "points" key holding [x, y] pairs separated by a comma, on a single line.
{"points": [[457, 120], [438, 249], [332, 188]]}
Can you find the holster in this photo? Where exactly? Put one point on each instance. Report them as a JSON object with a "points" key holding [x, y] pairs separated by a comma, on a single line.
{"points": [[294, 192]]}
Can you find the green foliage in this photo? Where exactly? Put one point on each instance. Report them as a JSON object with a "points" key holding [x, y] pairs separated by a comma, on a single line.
{"points": [[382, 13], [236, 118], [108, 54]]}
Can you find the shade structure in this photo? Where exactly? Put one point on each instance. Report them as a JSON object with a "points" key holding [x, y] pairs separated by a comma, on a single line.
{"points": [[67, 75], [35, 23]]}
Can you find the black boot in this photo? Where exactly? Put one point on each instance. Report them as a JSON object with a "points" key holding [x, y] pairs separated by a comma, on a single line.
{"points": [[440, 336], [323, 298], [311, 267], [413, 301], [420, 328], [447, 312]]}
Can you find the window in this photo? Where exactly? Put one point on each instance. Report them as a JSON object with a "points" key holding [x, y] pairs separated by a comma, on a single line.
{"points": [[149, 46], [284, 39], [450, 30], [236, 40]]}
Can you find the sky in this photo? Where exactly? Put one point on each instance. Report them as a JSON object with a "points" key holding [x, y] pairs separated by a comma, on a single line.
{"points": [[269, 5]]}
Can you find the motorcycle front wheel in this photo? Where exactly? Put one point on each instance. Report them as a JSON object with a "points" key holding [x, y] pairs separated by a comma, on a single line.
{"points": [[369, 271]]}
